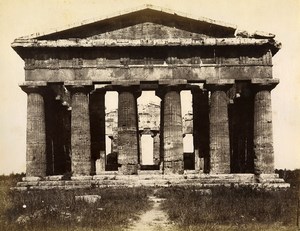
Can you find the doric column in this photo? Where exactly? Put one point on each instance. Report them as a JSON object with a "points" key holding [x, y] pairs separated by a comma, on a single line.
{"points": [[201, 127], [161, 132], [128, 138], [263, 133], [36, 164], [156, 147], [97, 118], [172, 131], [218, 126], [80, 130]]}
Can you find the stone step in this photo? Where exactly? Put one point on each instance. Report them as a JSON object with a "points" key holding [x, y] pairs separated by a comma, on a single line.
{"points": [[149, 172], [153, 179], [154, 183]]}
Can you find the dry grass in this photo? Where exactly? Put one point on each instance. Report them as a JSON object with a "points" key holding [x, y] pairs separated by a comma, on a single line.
{"points": [[58, 210], [242, 209], [231, 209]]}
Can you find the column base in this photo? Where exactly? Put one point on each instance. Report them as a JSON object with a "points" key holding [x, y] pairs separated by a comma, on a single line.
{"points": [[128, 169], [173, 167]]}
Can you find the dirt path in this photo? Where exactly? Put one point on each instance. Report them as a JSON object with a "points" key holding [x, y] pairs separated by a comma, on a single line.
{"points": [[154, 219]]}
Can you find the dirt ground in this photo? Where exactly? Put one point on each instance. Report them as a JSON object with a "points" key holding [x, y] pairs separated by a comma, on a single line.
{"points": [[154, 219]]}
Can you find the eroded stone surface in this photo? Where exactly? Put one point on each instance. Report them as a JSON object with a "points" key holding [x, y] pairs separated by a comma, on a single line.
{"points": [[219, 132], [263, 134], [80, 132], [128, 149]]}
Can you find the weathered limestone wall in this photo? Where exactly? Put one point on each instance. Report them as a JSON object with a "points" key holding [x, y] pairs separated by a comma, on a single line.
{"points": [[149, 116]]}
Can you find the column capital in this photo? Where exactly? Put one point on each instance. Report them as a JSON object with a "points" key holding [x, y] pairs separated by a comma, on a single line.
{"points": [[100, 91], [163, 89], [264, 84], [79, 86], [33, 87], [135, 89], [197, 90], [218, 84]]}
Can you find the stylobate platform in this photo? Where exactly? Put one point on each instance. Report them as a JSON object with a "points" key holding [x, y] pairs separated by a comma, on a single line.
{"points": [[153, 179]]}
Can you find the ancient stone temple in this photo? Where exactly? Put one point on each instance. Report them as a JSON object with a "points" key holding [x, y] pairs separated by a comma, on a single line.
{"points": [[228, 72]]}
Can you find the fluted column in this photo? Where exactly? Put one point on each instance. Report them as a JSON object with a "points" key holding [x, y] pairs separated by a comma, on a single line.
{"points": [[263, 131], [156, 147], [218, 126], [36, 164], [128, 138], [80, 130], [172, 131], [97, 115]]}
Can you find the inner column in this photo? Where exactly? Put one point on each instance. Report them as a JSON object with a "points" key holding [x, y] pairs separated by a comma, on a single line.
{"points": [[201, 128], [149, 125], [128, 140], [97, 118]]}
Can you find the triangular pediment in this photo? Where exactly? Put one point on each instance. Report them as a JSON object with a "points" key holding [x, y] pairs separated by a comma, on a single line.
{"points": [[149, 30], [143, 22], [146, 26]]}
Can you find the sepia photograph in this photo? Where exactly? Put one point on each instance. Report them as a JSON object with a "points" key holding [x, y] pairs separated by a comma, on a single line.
{"points": [[159, 115]]}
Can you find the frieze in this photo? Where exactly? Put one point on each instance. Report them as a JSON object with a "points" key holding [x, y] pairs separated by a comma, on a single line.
{"points": [[146, 62], [125, 61], [101, 63], [77, 62]]}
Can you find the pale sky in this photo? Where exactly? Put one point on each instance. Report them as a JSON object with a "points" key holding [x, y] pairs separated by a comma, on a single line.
{"points": [[24, 17]]}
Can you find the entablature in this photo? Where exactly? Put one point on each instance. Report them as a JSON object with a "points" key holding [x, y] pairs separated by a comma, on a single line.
{"points": [[190, 73]]}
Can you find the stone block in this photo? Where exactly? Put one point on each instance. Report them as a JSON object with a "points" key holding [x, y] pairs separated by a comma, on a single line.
{"points": [[78, 183], [81, 178], [128, 169], [203, 192], [150, 172], [31, 178], [91, 199], [51, 183], [173, 167], [28, 183], [104, 177], [19, 188], [100, 166], [54, 178], [106, 173], [44, 187]]}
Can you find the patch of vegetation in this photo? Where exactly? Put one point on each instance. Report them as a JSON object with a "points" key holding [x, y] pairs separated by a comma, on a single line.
{"points": [[58, 209], [290, 176], [233, 208]]}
